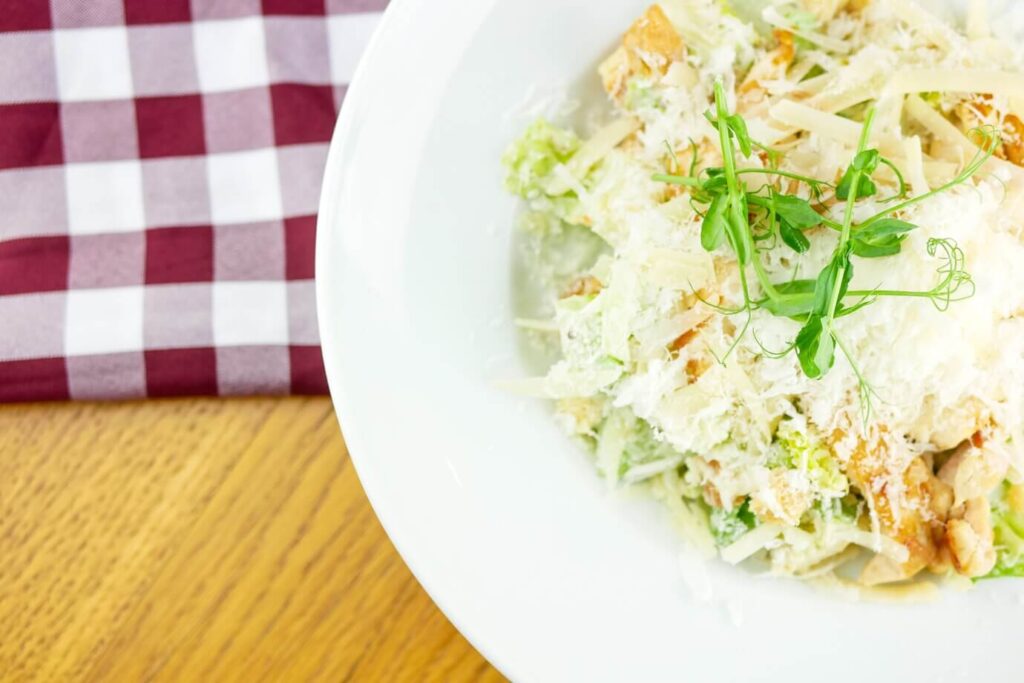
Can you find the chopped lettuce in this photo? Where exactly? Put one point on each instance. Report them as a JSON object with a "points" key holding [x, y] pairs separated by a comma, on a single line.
{"points": [[1009, 533], [629, 450], [729, 525], [932, 99], [845, 510], [1009, 540], [529, 163], [644, 448], [747, 11], [801, 452], [641, 95], [530, 159], [586, 368], [800, 20]]}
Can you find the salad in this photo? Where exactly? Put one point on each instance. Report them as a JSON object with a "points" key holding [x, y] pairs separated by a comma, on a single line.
{"points": [[784, 280]]}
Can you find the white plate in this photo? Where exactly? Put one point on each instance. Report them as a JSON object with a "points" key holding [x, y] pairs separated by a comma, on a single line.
{"points": [[501, 519]]}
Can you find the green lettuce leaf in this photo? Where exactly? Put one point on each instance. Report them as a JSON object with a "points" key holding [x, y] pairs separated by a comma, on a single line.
{"points": [[727, 526], [529, 160], [1009, 541], [799, 451]]}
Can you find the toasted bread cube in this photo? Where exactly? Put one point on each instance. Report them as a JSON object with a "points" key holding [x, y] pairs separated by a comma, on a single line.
{"points": [[649, 46], [654, 39]]}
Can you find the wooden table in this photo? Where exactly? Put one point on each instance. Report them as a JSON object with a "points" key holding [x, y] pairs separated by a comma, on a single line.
{"points": [[203, 540]]}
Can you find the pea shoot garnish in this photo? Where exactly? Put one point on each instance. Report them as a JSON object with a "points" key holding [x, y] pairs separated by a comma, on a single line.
{"points": [[751, 222]]}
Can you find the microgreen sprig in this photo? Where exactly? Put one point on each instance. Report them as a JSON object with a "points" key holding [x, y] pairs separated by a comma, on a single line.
{"points": [[748, 221], [816, 341]]}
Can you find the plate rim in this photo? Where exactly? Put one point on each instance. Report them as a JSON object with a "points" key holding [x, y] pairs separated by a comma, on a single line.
{"points": [[328, 302]]}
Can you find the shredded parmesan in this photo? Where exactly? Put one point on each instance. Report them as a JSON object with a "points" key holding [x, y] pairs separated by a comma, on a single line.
{"points": [[1002, 83], [914, 167], [603, 142], [593, 151], [803, 117]]}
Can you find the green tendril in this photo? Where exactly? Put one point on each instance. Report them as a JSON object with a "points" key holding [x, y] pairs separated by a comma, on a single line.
{"points": [[751, 223]]}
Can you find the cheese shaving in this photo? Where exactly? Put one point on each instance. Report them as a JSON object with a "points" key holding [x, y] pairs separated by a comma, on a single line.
{"points": [[992, 82]]}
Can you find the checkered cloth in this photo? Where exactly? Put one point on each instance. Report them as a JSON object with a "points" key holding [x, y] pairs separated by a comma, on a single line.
{"points": [[160, 166]]}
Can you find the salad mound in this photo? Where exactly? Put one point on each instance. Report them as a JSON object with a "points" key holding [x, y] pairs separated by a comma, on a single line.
{"points": [[784, 285]]}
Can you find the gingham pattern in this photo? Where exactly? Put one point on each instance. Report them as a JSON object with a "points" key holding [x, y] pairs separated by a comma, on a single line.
{"points": [[160, 165]]}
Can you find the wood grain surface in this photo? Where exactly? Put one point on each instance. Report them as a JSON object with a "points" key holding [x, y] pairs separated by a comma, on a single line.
{"points": [[203, 540]]}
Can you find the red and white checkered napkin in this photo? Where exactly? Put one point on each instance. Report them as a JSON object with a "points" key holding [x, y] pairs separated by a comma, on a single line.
{"points": [[160, 166]]}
